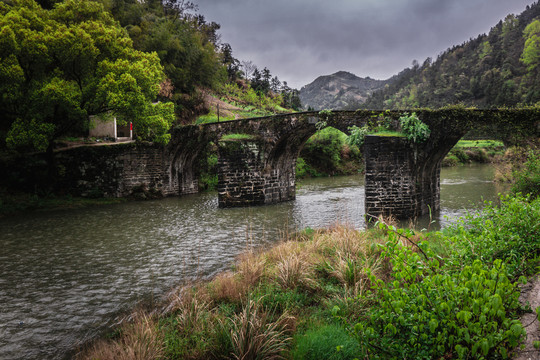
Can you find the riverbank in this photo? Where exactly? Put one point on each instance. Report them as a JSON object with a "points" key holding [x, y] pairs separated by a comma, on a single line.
{"points": [[475, 151], [343, 293]]}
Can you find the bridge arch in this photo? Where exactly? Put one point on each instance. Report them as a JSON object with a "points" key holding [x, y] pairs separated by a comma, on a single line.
{"points": [[259, 169]]}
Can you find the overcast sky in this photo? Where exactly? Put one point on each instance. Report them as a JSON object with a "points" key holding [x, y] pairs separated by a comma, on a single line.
{"points": [[299, 40]]}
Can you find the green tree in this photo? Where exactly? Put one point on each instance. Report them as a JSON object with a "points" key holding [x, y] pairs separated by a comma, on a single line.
{"points": [[531, 51], [185, 42], [60, 66]]}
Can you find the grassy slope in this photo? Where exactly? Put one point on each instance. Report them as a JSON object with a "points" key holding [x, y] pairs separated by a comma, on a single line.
{"points": [[235, 102]]}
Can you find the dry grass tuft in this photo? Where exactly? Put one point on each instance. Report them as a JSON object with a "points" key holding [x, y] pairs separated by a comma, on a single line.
{"points": [[250, 266], [140, 340], [255, 336], [191, 313], [293, 271], [234, 287], [227, 287]]}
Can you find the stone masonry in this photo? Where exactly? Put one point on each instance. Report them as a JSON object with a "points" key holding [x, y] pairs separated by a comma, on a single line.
{"points": [[395, 183], [246, 179]]}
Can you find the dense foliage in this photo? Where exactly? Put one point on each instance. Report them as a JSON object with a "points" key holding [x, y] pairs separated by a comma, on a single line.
{"points": [[413, 128], [63, 61], [187, 45], [328, 152], [527, 178], [463, 305], [493, 70], [63, 65]]}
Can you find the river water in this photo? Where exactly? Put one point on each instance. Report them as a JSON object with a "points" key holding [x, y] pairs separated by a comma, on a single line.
{"points": [[67, 275]]}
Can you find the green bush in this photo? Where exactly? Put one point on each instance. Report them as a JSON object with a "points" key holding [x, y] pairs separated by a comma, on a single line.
{"points": [[357, 135], [461, 155], [527, 180], [450, 160], [439, 315], [330, 342], [208, 179], [510, 232], [428, 311], [414, 129], [323, 150], [304, 169]]}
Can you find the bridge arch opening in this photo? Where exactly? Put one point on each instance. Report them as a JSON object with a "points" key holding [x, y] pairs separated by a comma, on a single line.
{"points": [[329, 153]]}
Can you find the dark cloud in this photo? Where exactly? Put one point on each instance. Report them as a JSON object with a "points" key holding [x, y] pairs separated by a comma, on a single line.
{"points": [[299, 40]]}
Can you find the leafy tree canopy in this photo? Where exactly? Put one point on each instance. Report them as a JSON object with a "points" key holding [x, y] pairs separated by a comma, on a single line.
{"points": [[531, 51], [187, 45], [60, 66]]}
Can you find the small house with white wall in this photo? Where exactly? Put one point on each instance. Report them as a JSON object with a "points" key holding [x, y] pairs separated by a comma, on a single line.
{"points": [[100, 128]]}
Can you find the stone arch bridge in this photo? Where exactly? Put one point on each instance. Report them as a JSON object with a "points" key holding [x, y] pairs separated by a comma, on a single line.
{"points": [[258, 167]]}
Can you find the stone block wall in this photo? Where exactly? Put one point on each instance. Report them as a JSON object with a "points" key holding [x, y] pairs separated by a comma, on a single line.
{"points": [[244, 178], [121, 170], [112, 170], [397, 182]]}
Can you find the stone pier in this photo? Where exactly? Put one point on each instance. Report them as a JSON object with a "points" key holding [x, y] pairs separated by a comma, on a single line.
{"points": [[246, 177], [399, 182]]}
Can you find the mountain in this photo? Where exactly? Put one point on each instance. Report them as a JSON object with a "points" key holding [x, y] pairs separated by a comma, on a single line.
{"points": [[501, 68], [341, 90]]}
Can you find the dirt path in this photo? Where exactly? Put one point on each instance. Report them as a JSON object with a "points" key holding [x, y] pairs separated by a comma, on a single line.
{"points": [[530, 293], [225, 109]]}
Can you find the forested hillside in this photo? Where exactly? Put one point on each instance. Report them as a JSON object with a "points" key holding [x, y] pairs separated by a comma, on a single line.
{"points": [[149, 62], [493, 70]]}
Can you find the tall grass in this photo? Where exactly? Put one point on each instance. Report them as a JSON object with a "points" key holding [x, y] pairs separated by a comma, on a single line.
{"points": [[139, 340], [255, 334]]}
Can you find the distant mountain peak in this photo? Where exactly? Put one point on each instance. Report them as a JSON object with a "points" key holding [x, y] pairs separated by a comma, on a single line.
{"points": [[341, 90]]}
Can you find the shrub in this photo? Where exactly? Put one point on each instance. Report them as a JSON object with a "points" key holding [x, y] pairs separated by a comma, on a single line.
{"points": [[323, 150], [426, 312], [510, 232], [461, 155], [450, 160], [357, 135], [527, 180], [304, 169], [330, 342], [413, 128]]}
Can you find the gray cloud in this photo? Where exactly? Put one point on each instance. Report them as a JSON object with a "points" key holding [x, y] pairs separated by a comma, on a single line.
{"points": [[299, 40]]}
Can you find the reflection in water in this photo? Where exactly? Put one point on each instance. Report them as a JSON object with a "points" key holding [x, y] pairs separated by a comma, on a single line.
{"points": [[66, 274]]}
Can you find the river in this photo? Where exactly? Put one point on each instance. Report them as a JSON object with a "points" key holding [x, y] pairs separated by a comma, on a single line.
{"points": [[67, 275]]}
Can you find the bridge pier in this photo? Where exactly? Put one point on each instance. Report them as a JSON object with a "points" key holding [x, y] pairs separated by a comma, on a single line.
{"points": [[247, 177], [400, 182]]}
